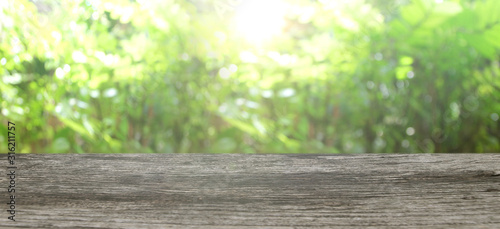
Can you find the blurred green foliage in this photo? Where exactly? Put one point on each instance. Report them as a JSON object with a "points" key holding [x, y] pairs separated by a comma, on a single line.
{"points": [[174, 76]]}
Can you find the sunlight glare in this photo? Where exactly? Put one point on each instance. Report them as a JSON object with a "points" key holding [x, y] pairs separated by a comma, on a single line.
{"points": [[259, 20]]}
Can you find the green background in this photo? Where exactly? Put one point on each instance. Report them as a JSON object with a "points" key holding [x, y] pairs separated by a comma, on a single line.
{"points": [[173, 76]]}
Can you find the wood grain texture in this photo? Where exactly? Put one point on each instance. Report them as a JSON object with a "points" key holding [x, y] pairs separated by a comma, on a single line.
{"points": [[256, 191]]}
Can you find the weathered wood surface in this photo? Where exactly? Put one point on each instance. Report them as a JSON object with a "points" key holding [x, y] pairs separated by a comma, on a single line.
{"points": [[256, 191]]}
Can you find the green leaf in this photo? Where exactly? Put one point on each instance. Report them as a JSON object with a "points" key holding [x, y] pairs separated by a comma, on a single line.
{"points": [[493, 36], [447, 8], [414, 13], [466, 19], [488, 12], [244, 126], [76, 127], [405, 60], [224, 145], [481, 44], [402, 72], [60, 145], [289, 143], [441, 13]]}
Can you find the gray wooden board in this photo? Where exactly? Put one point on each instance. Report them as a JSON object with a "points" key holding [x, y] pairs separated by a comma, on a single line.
{"points": [[255, 191]]}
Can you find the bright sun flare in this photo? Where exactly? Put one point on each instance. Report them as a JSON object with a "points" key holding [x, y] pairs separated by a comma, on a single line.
{"points": [[259, 20]]}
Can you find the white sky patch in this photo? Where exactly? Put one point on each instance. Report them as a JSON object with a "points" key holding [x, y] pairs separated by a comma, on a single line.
{"points": [[224, 73], [251, 104], [349, 23], [405, 143], [259, 20], [60, 73], [58, 108], [110, 92], [410, 75], [66, 68], [282, 59], [56, 35], [288, 92], [410, 131], [494, 117], [82, 104], [79, 57], [248, 57], [240, 101], [220, 36], [72, 101], [12, 79], [233, 68], [107, 59], [267, 93], [94, 94]]}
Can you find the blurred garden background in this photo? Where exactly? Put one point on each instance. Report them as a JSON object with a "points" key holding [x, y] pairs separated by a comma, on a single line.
{"points": [[250, 76]]}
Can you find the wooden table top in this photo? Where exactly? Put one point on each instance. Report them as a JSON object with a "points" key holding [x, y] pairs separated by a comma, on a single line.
{"points": [[254, 191]]}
